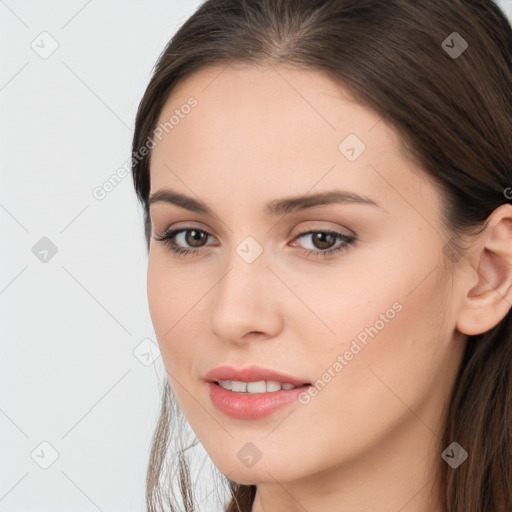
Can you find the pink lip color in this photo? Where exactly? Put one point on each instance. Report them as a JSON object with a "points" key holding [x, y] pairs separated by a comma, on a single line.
{"points": [[251, 374], [251, 406]]}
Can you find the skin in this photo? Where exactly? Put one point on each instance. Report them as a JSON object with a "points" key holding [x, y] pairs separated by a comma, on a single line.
{"points": [[369, 440]]}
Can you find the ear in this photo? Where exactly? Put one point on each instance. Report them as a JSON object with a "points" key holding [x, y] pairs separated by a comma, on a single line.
{"points": [[486, 303]]}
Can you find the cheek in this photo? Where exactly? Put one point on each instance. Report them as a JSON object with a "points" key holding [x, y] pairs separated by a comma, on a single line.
{"points": [[160, 298], [170, 294], [386, 339], [171, 304], [175, 307]]}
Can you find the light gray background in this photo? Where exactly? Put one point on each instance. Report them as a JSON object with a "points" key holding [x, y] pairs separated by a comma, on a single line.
{"points": [[76, 360]]}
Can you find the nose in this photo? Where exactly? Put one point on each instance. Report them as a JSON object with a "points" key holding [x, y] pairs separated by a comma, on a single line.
{"points": [[245, 302]]}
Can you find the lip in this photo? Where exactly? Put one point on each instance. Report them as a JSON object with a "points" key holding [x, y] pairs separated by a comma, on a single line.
{"points": [[251, 406], [251, 374]]}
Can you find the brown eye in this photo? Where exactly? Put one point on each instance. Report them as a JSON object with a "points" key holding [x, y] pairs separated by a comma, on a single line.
{"points": [[191, 241], [323, 240], [191, 237], [195, 238]]}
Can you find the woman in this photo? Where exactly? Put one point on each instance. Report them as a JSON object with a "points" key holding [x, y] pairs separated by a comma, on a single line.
{"points": [[326, 189]]}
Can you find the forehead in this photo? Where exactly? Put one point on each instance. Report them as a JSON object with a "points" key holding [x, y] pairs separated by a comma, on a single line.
{"points": [[281, 128], [278, 107]]}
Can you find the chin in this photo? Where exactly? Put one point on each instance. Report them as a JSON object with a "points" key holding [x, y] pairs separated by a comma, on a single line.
{"points": [[258, 474]]}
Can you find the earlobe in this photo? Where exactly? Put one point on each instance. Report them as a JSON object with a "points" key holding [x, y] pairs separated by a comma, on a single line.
{"points": [[487, 302]]}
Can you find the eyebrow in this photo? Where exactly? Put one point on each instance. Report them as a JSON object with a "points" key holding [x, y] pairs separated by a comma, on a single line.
{"points": [[275, 207]]}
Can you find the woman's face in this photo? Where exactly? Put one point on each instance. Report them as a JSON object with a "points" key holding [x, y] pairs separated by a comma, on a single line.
{"points": [[371, 325]]}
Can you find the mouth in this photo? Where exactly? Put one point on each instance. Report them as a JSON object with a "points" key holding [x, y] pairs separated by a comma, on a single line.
{"points": [[253, 399], [252, 392]]}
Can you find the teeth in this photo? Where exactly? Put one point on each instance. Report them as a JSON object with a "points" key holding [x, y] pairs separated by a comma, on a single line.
{"points": [[261, 386], [272, 385]]}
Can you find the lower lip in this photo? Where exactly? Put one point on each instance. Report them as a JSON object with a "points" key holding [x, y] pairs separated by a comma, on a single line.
{"points": [[251, 406]]}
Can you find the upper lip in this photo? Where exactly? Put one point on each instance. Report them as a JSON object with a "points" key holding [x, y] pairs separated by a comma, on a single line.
{"points": [[251, 374]]}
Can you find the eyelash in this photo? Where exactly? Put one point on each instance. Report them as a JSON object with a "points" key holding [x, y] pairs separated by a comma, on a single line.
{"points": [[167, 239]]}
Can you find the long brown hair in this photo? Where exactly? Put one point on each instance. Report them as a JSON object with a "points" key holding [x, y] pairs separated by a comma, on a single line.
{"points": [[450, 103]]}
